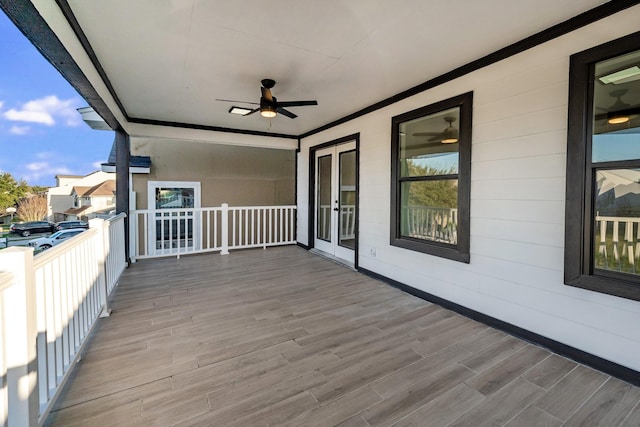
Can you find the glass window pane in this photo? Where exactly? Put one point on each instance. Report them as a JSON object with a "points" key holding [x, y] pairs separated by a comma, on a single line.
{"points": [[616, 109], [324, 199], [347, 218], [429, 144], [617, 196], [429, 210], [172, 198]]}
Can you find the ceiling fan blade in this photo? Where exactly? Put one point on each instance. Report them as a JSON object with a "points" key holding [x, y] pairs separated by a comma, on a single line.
{"points": [[286, 112], [266, 94], [255, 110], [296, 103], [242, 102], [626, 111], [426, 133]]}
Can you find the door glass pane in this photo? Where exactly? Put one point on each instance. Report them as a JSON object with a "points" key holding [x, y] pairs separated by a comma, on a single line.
{"points": [[174, 229], [429, 144], [324, 199], [429, 210], [347, 217], [171, 198], [617, 206], [616, 109]]}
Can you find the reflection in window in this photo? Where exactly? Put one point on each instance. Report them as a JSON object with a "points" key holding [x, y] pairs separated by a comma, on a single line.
{"points": [[429, 158], [616, 139], [431, 170], [324, 198], [172, 198], [347, 184], [617, 219], [430, 210]]}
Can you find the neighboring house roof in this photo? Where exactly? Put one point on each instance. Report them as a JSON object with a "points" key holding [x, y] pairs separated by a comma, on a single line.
{"points": [[76, 211], [106, 188], [70, 176]]}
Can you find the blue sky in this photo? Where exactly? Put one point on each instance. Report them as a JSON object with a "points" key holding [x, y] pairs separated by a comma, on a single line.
{"points": [[41, 133]]}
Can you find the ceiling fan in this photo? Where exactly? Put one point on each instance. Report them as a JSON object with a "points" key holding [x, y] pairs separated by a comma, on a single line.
{"points": [[269, 106], [448, 136], [620, 112]]}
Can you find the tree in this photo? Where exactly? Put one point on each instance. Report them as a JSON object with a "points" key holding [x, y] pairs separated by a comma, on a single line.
{"points": [[432, 193], [33, 208], [11, 191]]}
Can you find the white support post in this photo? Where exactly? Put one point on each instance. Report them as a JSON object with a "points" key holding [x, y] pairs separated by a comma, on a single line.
{"points": [[21, 337], [224, 230], [134, 248], [101, 256]]}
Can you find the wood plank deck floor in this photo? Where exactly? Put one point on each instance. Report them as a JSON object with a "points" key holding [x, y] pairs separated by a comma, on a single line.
{"points": [[284, 337]]}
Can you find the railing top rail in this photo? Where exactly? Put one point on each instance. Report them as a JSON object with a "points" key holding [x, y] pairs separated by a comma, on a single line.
{"points": [[117, 217], [216, 208], [618, 218], [263, 207], [144, 211], [47, 256]]}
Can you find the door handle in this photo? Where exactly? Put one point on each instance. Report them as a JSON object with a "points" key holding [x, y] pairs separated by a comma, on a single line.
{"points": [[336, 209]]}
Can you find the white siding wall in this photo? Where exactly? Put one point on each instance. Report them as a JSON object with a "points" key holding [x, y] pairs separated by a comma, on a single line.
{"points": [[517, 201]]}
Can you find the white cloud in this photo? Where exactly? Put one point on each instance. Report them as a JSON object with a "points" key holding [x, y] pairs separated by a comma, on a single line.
{"points": [[19, 130], [98, 164], [1, 104], [34, 171], [45, 111], [30, 116]]}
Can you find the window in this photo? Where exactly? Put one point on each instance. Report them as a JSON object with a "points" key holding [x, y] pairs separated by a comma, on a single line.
{"points": [[431, 171], [602, 237]]}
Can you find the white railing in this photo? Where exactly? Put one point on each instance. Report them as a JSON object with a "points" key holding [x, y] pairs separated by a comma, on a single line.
{"points": [[52, 301], [176, 232], [432, 223], [617, 243]]}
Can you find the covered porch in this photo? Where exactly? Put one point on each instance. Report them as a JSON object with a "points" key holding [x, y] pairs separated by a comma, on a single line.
{"points": [[284, 337]]}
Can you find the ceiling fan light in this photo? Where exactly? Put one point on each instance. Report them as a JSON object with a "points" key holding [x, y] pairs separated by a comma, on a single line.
{"points": [[268, 113], [616, 120], [450, 135]]}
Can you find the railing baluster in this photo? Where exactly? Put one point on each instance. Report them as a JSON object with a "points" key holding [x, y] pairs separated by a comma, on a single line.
{"points": [[233, 227], [628, 237]]}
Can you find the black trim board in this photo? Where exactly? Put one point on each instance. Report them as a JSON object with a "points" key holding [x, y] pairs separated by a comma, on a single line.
{"points": [[622, 372], [211, 128], [75, 26], [303, 246]]}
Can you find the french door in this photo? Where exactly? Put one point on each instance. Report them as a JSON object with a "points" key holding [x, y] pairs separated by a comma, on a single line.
{"points": [[336, 201]]}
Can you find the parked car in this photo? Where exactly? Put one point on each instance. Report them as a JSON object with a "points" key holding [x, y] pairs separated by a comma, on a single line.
{"points": [[55, 239], [28, 228], [64, 225]]}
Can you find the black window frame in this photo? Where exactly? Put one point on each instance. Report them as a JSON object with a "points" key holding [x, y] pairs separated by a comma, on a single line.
{"points": [[579, 270], [460, 251]]}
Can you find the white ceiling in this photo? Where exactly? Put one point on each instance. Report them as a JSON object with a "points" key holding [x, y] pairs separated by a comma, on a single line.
{"points": [[169, 60]]}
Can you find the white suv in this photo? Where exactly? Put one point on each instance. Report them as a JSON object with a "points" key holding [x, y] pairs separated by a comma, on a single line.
{"points": [[55, 239]]}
